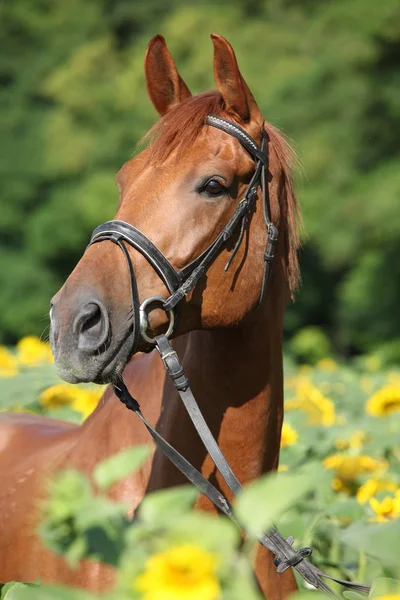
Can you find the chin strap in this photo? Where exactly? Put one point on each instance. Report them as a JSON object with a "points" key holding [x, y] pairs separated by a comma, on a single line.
{"points": [[285, 555]]}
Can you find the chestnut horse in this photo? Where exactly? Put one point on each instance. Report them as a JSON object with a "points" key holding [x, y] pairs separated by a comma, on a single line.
{"points": [[180, 192]]}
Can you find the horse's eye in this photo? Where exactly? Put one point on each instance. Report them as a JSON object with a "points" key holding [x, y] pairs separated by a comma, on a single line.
{"points": [[214, 188]]}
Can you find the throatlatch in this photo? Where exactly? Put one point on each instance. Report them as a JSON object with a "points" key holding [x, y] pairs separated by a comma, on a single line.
{"points": [[180, 283]]}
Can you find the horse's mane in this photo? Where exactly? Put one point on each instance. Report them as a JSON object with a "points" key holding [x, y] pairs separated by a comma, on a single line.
{"points": [[179, 128]]}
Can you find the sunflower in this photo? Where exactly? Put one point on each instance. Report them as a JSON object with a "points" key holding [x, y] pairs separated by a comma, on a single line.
{"points": [[373, 486], [62, 394], [387, 509], [31, 351], [183, 572], [320, 410], [348, 469], [384, 402], [80, 399], [288, 436], [86, 402], [8, 363]]}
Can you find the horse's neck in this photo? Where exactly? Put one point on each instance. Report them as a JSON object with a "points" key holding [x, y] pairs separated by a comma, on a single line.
{"points": [[112, 428], [236, 377]]}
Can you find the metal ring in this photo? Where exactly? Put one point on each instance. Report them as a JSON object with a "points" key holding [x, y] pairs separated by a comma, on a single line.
{"points": [[144, 320]]}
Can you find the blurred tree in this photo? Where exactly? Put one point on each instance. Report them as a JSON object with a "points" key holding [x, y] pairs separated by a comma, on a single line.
{"points": [[74, 104]]}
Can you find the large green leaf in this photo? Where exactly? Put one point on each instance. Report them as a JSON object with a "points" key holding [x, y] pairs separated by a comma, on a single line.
{"points": [[378, 540], [120, 465], [384, 586], [263, 502], [164, 505]]}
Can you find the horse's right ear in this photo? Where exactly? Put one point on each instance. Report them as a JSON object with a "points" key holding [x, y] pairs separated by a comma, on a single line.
{"points": [[165, 86]]}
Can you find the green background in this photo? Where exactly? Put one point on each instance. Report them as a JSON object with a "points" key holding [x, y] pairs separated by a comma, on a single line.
{"points": [[73, 105]]}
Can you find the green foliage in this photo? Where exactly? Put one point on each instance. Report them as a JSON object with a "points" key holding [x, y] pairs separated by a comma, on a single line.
{"points": [[379, 540], [282, 491], [74, 105], [119, 466], [310, 344], [80, 519]]}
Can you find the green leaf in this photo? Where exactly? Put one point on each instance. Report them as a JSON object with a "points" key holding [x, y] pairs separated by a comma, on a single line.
{"points": [[166, 505], [99, 513], [7, 589], [119, 466], [263, 502], [348, 510], [14, 590], [378, 540], [26, 592], [350, 595], [217, 534], [384, 586]]}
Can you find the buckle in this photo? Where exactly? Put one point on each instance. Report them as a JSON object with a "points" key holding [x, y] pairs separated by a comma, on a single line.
{"points": [[144, 317]]}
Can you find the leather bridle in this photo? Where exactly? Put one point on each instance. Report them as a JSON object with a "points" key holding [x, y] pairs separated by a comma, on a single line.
{"points": [[179, 283]]}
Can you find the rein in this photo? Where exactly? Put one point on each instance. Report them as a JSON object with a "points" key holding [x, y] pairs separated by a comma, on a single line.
{"points": [[179, 283]]}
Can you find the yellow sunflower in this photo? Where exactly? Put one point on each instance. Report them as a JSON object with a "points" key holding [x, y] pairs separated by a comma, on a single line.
{"points": [[387, 509], [62, 394], [31, 351], [384, 402], [373, 486], [8, 363], [320, 410], [183, 572], [349, 468], [288, 436], [80, 399], [87, 400]]}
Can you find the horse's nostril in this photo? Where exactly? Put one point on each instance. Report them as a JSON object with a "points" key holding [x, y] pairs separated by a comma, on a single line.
{"points": [[91, 327], [92, 322]]}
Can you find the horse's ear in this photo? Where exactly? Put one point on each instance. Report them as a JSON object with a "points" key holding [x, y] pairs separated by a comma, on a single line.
{"points": [[230, 83], [165, 86]]}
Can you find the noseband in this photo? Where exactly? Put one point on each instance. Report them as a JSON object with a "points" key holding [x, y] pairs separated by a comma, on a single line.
{"points": [[180, 282]]}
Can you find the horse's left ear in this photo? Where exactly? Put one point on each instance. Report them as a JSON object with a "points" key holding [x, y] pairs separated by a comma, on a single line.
{"points": [[230, 83], [165, 86]]}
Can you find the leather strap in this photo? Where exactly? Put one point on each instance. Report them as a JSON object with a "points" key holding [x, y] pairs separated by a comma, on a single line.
{"points": [[240, 134], [116, 230]]}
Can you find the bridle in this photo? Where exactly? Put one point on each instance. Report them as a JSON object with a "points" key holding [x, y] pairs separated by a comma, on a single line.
{"points": [[179, 283]]}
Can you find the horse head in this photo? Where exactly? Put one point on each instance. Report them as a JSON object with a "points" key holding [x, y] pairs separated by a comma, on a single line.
{"points": [[179, 194]]}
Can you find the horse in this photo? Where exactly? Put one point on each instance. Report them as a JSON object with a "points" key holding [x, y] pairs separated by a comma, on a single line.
{"points": [[180, 191]]}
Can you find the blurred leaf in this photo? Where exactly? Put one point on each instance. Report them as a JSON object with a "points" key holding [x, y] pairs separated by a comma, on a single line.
{"points": [[168, 504], [263, 502], [50, 593], [384, 586], [378, 540], [346, 510], [350, 595], [119, 466]]}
